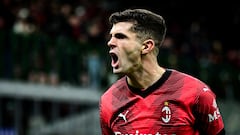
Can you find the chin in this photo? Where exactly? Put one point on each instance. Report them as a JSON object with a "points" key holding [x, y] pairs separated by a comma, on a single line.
{"points": [[117, 71], [119, 74]]}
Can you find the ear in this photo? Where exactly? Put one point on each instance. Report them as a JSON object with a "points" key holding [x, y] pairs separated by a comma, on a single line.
{"points": [[147, 46]]}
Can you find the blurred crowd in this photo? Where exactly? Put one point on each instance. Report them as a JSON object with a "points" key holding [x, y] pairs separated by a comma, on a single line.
{"points": [[64, 42]]}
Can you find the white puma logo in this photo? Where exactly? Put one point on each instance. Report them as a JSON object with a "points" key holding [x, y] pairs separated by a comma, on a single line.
{"points": [[123, 116]]}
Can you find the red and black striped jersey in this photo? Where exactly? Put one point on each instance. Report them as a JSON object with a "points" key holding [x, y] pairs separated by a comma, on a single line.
{"points": [[177, 104]]}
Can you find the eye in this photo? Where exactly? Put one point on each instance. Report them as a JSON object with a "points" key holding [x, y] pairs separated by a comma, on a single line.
{"points": [[120, 36]]}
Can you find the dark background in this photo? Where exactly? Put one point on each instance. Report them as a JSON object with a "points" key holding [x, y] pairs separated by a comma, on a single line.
{"points": [[63, 47]]}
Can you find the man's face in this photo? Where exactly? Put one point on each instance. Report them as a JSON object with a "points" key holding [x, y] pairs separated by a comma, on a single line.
{"points": [[125, 49]]}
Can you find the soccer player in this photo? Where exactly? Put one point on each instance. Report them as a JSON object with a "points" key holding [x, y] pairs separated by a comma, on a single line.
{"points": [[149, 99]]}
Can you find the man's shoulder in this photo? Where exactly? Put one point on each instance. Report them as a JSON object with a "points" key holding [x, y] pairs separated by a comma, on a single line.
{"points": [[187, 77], [115, 87], [110, 99], [189, 82]]}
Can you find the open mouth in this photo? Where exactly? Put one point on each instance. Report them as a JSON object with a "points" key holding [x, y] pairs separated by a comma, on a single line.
{"points": [[114, 58]]}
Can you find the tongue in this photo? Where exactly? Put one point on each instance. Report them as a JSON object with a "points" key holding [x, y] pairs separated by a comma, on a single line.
{"points": [[115, 62]]}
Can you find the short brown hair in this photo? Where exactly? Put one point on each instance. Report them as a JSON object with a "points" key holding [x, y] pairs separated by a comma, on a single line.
{"points": [[146, 24]]}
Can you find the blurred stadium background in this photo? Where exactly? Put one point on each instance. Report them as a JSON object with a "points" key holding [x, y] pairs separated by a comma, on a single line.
{"points": [[54, 65]]}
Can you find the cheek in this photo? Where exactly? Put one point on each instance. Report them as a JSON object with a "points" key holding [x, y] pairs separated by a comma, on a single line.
{"points": [[133, 56], [131, 53]]}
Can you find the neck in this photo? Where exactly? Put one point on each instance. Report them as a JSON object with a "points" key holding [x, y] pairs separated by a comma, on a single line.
{"points": [[145, 76]]}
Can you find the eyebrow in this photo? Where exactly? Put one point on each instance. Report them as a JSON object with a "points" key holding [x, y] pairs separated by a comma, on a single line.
{"points": [[120, 35]]}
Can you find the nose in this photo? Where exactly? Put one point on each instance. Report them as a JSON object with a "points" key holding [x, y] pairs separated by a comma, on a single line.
{"points": [[111, 42]]}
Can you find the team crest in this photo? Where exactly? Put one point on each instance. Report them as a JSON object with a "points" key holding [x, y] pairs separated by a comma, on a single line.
{"points": [[166, 113]]}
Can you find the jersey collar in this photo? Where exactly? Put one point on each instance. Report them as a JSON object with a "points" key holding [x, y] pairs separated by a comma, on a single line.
{"points": [[153, 87]]}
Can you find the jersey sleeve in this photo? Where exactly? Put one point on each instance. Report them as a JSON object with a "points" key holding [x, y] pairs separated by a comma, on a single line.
{"points": [[208, 117], [105, 129]]}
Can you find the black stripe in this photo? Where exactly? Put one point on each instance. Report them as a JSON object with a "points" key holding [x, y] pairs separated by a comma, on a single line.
{"points": [[222, 132], [153, 87]]}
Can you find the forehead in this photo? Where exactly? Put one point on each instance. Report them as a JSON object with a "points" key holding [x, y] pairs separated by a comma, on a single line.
{"points": [[121, 27]]}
